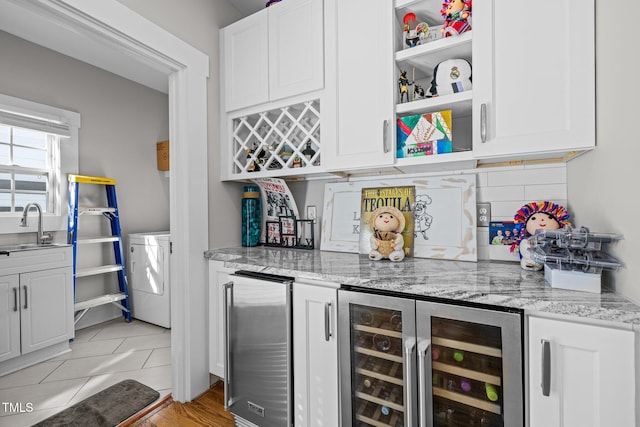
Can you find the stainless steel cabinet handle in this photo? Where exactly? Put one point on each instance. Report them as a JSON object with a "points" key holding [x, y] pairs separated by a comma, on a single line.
{"points": [[385, 139], [409, 360], [15, 299], [546, 368], [25, 298], [327, 321], [424, 371], [483, 122], [227, 288]]}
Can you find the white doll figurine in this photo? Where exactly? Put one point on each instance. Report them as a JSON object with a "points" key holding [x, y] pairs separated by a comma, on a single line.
{"points": [[530, 218], [386, 224]]}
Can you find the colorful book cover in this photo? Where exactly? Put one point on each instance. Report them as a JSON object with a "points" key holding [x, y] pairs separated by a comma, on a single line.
{"points": [[424, 134], [402, 198]]}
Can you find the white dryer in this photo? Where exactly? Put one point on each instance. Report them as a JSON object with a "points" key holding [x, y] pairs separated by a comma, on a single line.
{"points": [[149, 278]]}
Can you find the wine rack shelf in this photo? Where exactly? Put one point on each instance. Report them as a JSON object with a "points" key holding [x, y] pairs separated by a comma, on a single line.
{"points": [[279, 140], [467, 373], [467, 400], [466, 346], [378, 354]]}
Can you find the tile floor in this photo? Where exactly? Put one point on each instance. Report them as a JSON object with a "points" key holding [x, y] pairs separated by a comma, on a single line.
{"points": [[101, 355]]}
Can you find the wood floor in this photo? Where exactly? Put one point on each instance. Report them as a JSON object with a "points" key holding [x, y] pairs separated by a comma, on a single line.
{"points": [[206, 410]]}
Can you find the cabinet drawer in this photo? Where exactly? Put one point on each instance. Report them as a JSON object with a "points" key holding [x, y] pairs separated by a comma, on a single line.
{"points": [[36, 259]]}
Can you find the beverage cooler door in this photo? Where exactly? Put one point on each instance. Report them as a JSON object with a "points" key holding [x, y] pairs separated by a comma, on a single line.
{"points": [[377, 334], [469, 366]]}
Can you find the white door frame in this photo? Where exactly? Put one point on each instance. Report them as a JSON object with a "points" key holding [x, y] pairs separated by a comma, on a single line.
{"points": [[118, 28]]}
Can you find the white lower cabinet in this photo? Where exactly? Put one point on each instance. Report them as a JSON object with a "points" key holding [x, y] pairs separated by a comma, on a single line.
{"points": [[36, 311], [218, 276], [580, 375], [315, 355], [9, 317]]}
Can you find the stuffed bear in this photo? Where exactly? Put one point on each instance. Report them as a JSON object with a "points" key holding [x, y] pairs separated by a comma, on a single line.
{"points": [[387, 224]]}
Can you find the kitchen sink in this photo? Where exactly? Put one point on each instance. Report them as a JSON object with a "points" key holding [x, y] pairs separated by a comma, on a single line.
{"points": [[6, 249]]}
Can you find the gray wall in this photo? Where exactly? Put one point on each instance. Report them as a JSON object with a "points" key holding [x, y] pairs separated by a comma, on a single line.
{"points": [[197, 22], [602, 184], [121, 123]]}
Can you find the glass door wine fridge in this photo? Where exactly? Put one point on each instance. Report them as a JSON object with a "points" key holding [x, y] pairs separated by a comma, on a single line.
{"points": [[427, 364]]}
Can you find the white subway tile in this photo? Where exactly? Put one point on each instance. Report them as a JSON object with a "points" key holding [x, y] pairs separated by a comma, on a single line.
{"points": [[528, 176], [502, 193], [545, 192]]}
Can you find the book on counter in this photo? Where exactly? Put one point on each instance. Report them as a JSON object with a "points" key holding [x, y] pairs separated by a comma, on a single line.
{"points": [[401, 197]]}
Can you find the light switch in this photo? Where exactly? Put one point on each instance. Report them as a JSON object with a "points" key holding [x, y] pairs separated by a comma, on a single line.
{"points": [[311, 213]]}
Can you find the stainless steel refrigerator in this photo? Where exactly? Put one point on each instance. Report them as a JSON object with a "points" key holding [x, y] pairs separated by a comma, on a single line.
{"points": [[258, 361], [426, 364]]}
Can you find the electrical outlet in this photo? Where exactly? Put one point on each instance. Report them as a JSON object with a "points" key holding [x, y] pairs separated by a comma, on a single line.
{"points": [[311, 213], [483, 214]]}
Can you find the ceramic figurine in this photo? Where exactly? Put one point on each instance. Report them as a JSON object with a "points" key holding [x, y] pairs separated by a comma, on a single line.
{"points": [[413, 38], [530, 218], [403, 85], [387, 224], [456, 14]]}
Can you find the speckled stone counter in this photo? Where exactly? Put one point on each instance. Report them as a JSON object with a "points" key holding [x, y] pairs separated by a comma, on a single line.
{"points": [[495, 283]]}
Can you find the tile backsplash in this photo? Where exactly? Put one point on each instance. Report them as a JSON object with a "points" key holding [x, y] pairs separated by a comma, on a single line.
{"points": [[508, 188]]}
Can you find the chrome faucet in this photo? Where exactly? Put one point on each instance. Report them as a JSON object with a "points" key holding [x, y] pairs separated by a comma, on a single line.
{"points": [[42, 237]]}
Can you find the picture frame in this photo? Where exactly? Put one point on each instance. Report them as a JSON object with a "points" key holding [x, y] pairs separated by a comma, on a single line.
{"points": [[445, 225]]}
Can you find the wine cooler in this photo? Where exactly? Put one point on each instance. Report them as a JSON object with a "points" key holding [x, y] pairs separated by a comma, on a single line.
{"points": [[427, 364]]}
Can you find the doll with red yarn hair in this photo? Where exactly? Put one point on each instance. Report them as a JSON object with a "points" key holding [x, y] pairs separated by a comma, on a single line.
{"points": [[530, 218], [456, 14]]}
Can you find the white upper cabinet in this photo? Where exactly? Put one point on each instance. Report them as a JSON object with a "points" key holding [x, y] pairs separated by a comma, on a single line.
{"points": [[295, 48], [364, 120], [273, 54], [533, 84], [245, 52]]}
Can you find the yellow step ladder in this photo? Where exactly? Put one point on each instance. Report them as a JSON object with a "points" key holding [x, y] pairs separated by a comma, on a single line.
{"points": [[110, 211]]}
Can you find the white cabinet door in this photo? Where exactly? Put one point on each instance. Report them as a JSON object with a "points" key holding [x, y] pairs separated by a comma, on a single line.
{"points": [[46, 308], [590, 371], [296, 48], [533, 87], [9, 317], [364, 115], [245, 49], [315, 356], [218, 276]]}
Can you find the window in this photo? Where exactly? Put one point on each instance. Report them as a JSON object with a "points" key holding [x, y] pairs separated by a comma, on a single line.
{"points": [[38, 148]]}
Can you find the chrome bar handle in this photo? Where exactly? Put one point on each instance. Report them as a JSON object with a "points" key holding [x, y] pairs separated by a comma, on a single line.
{"points": [[483, 122], [385, 139], [546, 368], [327, 321], [423, 348], [15, 299], [25, 297], [409, 360], [227, 287]]}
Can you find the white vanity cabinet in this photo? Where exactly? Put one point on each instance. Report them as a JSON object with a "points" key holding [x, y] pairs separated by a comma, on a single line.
{"points": [[580, 374], [273, 54], [533, 84], [315, 354], [9, 317], [36, 306]]}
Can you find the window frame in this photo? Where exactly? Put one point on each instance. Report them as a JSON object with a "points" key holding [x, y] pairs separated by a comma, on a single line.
{"points": [[56, 219]]}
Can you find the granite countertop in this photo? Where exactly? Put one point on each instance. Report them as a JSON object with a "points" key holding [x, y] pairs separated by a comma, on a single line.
{"points": [[495, 283]]}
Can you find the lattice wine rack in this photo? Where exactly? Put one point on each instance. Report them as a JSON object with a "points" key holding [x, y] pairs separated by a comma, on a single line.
{"points": [[281, 139]]}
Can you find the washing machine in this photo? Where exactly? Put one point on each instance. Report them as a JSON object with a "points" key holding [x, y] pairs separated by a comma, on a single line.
{"points": [[149, 279]]}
